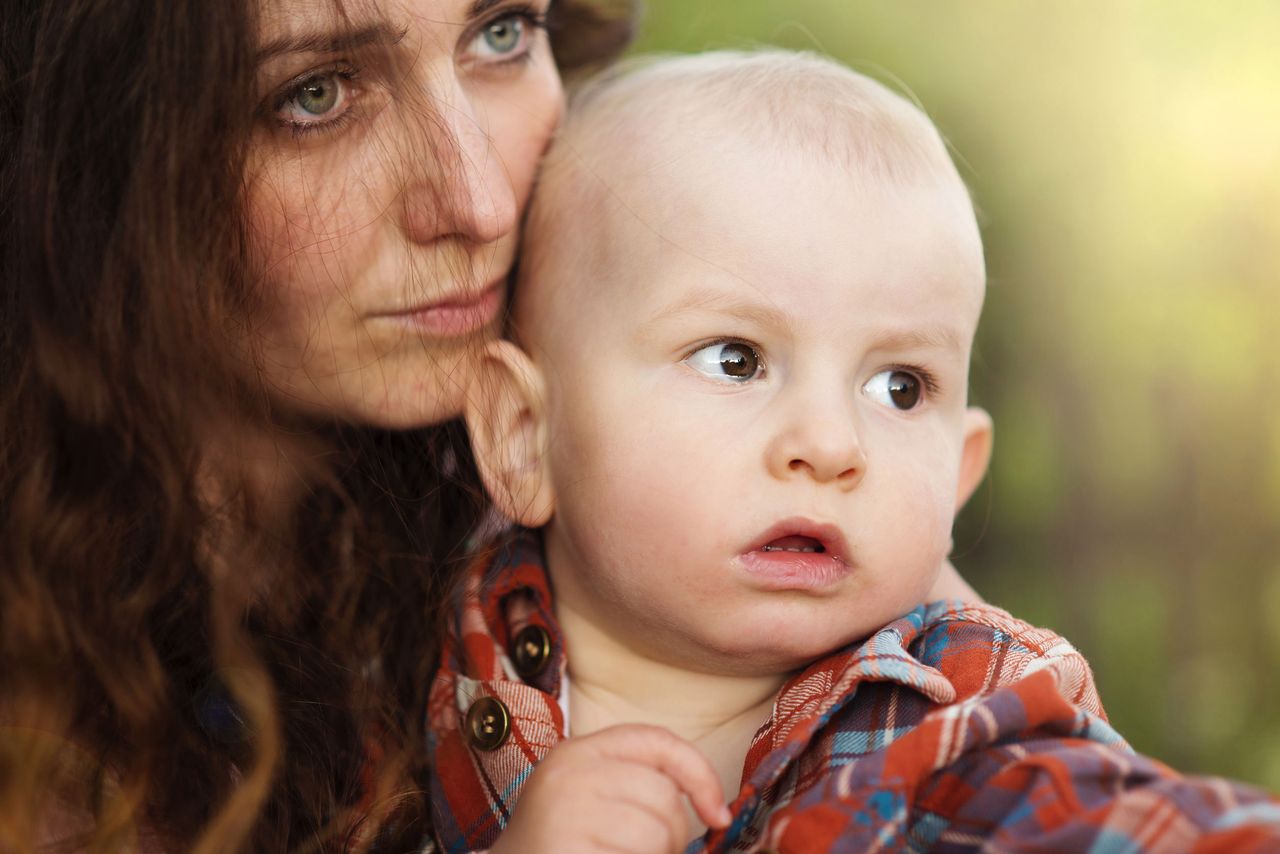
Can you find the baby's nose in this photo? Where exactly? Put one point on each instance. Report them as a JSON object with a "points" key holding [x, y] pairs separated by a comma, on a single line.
{"points": [[826, 450]]}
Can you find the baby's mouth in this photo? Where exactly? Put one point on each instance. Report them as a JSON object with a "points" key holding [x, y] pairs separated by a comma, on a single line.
{"points": [[801, 545], [798, 554], [801, 539]]}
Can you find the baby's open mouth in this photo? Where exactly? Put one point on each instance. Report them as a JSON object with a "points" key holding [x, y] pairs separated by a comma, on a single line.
{"points": [[797, 554], [794, 544]]}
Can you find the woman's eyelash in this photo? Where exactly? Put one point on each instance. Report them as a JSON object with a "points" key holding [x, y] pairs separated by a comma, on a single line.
{"points": [[294, 87], [539, 20], [300, 130], [344, 71], [532, 18]]}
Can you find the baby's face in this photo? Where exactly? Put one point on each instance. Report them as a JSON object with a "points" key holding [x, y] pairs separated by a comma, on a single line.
{"points": [[756, 400]]}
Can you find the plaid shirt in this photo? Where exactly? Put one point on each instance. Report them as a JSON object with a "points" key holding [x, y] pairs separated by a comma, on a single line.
{"points": [[954, 728]]}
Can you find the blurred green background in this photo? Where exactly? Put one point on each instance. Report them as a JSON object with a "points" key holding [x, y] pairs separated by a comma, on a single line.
{"points": [[1125, 159]]}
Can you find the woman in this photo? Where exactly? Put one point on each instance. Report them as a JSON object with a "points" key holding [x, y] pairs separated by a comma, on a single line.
{"points": [[246, 250]]}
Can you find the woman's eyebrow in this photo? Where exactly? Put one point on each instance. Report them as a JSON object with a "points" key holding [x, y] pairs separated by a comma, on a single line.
{"points": [[479, 7], [334, 41]]}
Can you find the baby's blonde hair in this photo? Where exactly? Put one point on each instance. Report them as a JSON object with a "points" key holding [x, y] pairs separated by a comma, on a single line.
{"points": [[785, 99]]}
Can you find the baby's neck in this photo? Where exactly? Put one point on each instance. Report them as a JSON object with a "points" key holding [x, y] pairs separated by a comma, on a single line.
{"points": [[612, 684]]}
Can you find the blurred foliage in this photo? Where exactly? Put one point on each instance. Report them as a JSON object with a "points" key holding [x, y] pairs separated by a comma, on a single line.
{"points": [[1125, 159]]}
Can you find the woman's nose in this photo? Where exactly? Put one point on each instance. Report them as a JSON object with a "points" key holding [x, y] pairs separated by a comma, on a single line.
{"points": [[464, 192], [818, 443]]}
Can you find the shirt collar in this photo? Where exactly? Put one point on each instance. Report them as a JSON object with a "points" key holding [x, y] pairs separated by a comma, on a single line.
{"points": [[506, 590], [808, 700]]}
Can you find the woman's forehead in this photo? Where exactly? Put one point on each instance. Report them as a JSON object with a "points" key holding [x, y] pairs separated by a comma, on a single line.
{"points": [[297, 21]]}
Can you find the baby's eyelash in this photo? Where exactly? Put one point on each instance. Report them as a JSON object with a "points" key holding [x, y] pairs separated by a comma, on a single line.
{"points": [[931, 384], [727, 339]]}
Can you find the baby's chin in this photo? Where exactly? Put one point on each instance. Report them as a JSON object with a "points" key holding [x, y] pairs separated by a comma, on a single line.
{"points": [[760, 648]]}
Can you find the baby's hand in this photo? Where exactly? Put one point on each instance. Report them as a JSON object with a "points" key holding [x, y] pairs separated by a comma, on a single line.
{"points": [[618, 789]]}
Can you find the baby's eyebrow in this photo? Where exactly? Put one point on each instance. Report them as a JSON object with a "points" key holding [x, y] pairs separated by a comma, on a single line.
{"points": [[739, 306], [932, 338]]}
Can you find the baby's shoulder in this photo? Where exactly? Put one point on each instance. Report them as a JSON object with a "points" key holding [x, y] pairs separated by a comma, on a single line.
{"points": [[980, 648]]}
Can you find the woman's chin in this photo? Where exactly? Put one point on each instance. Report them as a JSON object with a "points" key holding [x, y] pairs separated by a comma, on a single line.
{"points": [[399, 391]]}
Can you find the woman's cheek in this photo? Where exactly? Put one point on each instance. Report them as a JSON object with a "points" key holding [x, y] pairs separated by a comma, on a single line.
{"points": [[306, 238], [528, 130]]}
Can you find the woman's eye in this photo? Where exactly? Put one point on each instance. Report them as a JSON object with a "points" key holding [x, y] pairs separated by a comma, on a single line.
{"points": [[316, 100], [502, 37], [898, 389], [728, 361], [318, 96]]}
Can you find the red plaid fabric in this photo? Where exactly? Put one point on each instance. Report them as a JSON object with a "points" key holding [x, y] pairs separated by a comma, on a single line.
{"points": [[955, 728]]}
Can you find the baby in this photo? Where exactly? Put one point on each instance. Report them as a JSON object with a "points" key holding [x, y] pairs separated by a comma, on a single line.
{"points": [[736, 438]]}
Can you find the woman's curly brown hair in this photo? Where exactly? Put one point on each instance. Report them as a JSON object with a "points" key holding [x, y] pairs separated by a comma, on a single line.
{"points": [[178, 668]]}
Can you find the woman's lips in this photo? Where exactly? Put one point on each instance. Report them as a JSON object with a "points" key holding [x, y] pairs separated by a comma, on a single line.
{"points": [[455, 316], [797, 554]]}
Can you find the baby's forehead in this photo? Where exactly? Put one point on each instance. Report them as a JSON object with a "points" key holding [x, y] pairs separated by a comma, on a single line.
{"points": [[644, 143], [633, 124]]}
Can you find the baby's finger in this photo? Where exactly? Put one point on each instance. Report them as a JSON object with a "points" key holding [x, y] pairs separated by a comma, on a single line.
{"points": [[655, 794], [665, 751]]}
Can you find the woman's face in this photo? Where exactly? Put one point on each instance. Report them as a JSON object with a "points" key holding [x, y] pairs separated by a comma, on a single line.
{"points": [[393, 158]]}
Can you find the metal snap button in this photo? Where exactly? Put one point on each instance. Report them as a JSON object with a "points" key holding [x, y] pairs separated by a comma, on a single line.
{"points": [[488, 723], [531, 650]]}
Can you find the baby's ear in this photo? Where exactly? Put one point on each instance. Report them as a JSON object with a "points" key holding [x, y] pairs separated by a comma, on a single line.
{"points": [[975, 455], [505, 411]]}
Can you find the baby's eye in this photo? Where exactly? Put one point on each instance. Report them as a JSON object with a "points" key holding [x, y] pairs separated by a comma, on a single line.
{"points": [[897, 388], [727, 361]]}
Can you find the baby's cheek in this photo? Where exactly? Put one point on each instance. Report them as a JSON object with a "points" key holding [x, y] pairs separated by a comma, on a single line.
{"points": [[652, 500], [931, 505], [608, 477]]}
